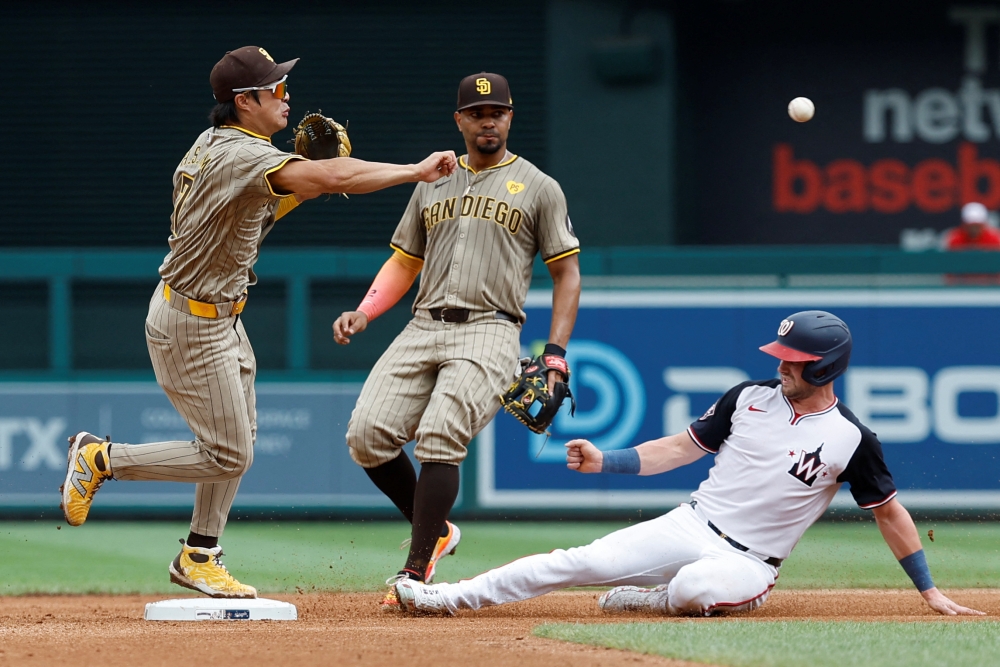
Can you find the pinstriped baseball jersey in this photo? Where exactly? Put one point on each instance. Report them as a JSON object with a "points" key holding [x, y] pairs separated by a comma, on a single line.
{"points": [[479, 232], [224, 206]]}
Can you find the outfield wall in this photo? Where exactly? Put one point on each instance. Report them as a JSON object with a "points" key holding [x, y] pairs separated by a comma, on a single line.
{"points": [[925, 376]]}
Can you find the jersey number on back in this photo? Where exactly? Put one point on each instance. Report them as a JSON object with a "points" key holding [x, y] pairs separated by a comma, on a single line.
{"points": [[187, 182]]}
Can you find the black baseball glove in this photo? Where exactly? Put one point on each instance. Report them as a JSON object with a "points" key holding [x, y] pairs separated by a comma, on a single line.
{"points": [[320, 138], [528, 397]]}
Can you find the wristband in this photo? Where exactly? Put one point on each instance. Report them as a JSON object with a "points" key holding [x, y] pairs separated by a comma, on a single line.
{"points": [[622, 461], [552, 348], [915, 565]]}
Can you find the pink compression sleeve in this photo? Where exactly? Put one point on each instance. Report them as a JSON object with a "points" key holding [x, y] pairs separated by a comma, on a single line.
{"points": [[391, 283]]}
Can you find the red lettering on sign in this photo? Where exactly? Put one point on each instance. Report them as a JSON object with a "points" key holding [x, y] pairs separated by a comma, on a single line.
{"points": [[791, 175], [890, 181], [972, 171], [887, 186], [846, 188]]}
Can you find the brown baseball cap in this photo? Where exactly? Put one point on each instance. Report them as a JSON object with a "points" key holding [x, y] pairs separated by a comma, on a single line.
{"points": [[484, 88], [244, 68]]}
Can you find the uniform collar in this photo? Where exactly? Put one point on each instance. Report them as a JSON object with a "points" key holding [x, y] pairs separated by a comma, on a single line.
{"points": [[245, 131], [507, 159]]}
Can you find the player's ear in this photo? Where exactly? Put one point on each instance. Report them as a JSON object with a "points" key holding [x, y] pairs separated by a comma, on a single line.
{"points": [[458, 120]]}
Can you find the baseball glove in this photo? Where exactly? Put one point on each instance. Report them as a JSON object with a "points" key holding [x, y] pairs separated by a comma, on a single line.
{"points": [[320, 138], [528, 397]]}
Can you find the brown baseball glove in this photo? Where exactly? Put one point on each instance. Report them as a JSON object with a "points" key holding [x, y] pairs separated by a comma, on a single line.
{"points": [[320, 138]]}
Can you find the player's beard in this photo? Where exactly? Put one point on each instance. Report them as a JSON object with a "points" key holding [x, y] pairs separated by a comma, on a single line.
{"points": [[800, 392], [491, 149]]}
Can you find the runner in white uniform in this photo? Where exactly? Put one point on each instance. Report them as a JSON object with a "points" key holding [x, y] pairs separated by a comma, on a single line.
{"points": [[783, 446]]}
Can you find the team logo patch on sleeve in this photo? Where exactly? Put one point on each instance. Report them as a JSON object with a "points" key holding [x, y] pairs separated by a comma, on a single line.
{"points": [[708, 413], [808, 467]]}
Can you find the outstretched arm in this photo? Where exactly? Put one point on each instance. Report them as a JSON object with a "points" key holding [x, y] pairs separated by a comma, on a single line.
{"points": [[352, 176], [654, 457], [900, 533]]}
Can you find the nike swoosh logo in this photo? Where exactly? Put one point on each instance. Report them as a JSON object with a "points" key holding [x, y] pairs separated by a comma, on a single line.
{"points": [[753, 409], [440, 183]]}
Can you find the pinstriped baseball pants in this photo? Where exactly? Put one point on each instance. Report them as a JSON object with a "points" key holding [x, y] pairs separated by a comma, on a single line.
{"points": [[438, 382], [207, 368]]}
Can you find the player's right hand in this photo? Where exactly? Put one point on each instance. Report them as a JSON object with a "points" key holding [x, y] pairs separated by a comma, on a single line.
{"points": [[437, 165], [582, 456], [347, 325]]}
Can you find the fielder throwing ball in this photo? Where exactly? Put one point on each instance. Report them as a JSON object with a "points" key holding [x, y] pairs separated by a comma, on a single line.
{"points": [[229, 189], [474, 236], [783, 448]]}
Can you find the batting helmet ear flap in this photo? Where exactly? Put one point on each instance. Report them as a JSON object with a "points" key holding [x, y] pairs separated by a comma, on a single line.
{"points": [[829, 368]]}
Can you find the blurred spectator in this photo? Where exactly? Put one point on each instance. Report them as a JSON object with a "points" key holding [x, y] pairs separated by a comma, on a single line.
{"points": [[974, 233]]}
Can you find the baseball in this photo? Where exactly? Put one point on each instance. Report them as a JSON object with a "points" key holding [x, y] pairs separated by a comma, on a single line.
{"points": [[801, 109]]}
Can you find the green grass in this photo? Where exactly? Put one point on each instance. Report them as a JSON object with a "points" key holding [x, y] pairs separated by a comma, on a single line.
{"points": [[111, 557], [792, 644], [854, 555]]}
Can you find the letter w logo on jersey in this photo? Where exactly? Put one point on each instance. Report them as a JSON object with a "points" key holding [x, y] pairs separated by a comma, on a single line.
{"points": [[808, 467]]}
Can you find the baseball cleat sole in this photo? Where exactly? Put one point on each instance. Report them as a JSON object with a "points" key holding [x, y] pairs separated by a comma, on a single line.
{"points": [[179, 579]]}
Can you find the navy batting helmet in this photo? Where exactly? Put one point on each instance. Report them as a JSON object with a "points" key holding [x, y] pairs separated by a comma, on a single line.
{"points": [[815, 336]]}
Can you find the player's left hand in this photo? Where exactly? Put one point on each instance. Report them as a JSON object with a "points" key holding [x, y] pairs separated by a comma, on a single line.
{"points": [[940, 603], [347, 325], [552, 378], [583, 456], [437, 165]]}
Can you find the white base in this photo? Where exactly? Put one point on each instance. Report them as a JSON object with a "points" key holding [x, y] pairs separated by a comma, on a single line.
{"points": [[220, 609]]}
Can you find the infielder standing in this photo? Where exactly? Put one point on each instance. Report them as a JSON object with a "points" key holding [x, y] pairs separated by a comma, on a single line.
{"points": [[783, 447], [474, 236], [229, 189]]}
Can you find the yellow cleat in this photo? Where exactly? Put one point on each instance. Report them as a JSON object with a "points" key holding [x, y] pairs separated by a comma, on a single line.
{"points": [[390, 602], [445, 547], [87, 468], [202, 570]]}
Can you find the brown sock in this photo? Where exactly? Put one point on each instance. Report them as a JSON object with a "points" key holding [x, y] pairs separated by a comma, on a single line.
{"points": [[437, 490]]}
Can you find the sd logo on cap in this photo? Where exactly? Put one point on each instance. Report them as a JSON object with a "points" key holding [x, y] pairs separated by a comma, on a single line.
{"points": [[482, 89]]}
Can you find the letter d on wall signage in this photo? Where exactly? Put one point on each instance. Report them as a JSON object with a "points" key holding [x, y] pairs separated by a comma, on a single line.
{"points": [[617, 413]]}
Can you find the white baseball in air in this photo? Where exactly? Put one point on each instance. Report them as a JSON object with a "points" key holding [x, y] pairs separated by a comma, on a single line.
{"points": [[801, 109]]}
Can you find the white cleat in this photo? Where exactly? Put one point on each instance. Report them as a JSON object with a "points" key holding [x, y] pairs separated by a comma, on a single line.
{"points": [[634, 598], [417, 598]]}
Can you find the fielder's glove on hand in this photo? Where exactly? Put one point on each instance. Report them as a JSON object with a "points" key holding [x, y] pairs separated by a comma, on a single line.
{"points": [[320, 138], [528, 397]]}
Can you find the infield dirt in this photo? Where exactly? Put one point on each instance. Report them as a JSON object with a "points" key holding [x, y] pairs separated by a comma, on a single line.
{"points": [[349, 629]]}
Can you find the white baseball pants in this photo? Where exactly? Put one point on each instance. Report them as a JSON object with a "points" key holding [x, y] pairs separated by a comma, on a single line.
{"points": [[704, 573]]}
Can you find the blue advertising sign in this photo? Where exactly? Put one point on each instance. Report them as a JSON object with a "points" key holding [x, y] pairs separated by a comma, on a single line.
{"points": [[300, 457], [924, 375]]}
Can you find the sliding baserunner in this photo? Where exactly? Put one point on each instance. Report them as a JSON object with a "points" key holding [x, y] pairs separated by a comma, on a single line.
{"points": [[784, 447]]}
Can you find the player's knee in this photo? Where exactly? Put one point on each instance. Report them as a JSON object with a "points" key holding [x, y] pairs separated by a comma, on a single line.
{"points": [[369, 444], [690, 593], [243, 463]]}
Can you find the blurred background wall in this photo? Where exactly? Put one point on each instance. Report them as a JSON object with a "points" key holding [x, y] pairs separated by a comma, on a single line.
{"points": [[664, 122]]}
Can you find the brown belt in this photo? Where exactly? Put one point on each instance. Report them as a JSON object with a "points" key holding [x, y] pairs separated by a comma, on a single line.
{"points": [[211, 311], [462, 315]]}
